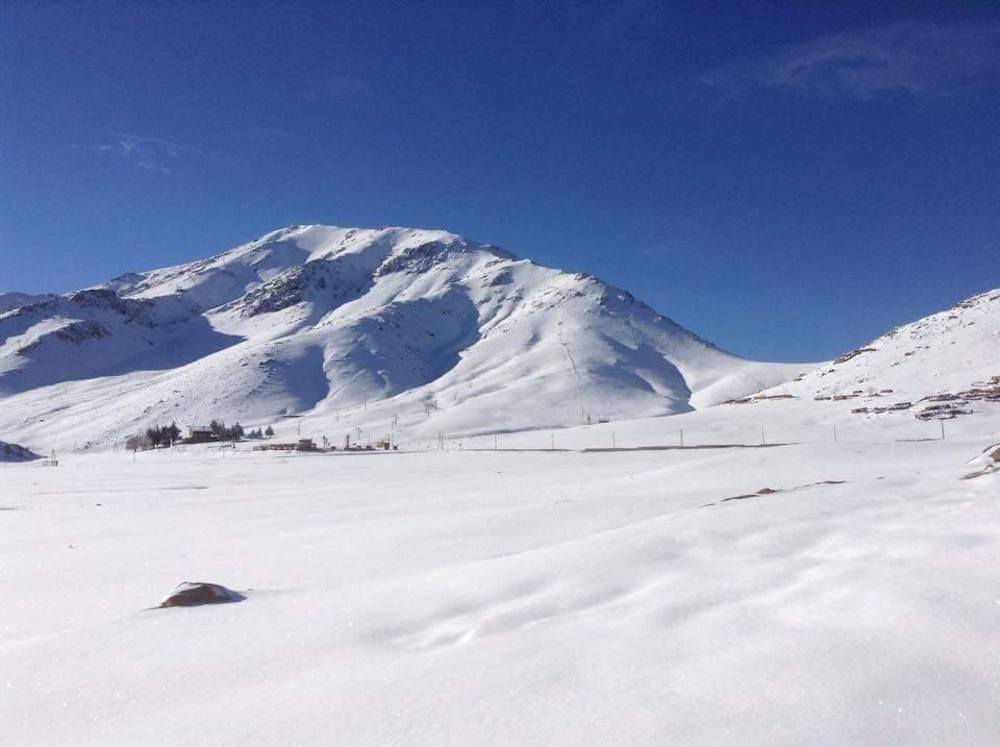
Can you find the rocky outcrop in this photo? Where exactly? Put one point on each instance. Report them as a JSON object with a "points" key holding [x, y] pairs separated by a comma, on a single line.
{"points": [[194, 593]]}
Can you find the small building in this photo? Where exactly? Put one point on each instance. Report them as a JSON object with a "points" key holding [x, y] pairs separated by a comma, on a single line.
{"points": [[306, 444], [275, 447], [200, 434]]}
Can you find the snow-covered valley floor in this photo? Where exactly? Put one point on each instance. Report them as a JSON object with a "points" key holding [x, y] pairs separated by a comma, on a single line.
{"points": [[479, 597]]}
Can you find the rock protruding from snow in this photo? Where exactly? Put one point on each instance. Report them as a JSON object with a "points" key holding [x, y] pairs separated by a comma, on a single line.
{"points": [[194, 593], [987, 463]]}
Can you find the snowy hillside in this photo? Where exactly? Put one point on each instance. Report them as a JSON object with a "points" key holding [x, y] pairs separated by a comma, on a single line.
{"points": [[945, 363], [425, 328], [10, 301], [15, 453]]}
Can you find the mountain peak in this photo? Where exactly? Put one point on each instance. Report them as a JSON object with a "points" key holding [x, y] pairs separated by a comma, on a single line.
{"points": [[312, 320]]}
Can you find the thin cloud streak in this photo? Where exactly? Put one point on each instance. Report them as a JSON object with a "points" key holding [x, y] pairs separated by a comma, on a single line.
{"points": [[919, 60], [144, 152]]}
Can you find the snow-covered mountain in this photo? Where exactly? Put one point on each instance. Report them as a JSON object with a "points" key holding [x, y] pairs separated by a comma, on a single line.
{"points": [[13, 300], [422, 327]]}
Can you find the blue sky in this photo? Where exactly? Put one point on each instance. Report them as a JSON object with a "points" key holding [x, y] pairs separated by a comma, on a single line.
{"points": [[786, 179]]}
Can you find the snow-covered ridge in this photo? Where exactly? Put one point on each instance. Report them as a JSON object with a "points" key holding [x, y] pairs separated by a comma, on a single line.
{"points": [[440, 331], [10, 301], [15, 453], [945, 353]]}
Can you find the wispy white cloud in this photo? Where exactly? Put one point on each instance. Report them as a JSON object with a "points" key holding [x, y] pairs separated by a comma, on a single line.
{"points": [[144, 152], [915, 59], [346, 90]]}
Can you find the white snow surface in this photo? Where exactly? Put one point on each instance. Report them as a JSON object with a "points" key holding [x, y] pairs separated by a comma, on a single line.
{"points": [[517, 597], [421, 327]]}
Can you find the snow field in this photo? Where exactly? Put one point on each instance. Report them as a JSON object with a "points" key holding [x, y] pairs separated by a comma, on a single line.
{"points": [[510, 597]]}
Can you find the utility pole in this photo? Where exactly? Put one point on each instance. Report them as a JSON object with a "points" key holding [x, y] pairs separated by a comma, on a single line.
{"points": [[613, 445], [762, 441], [682, 438], [495, 444], [942, 429], [835, 433]]}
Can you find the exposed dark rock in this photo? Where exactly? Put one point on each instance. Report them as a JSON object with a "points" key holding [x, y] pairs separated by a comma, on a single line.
{"points": [[194, 593], [415, 259], [772, 491], [988, 463], [853, 354], [295, 285]]}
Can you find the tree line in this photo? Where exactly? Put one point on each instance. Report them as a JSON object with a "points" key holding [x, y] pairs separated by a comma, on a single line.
{"points": [[159, 436], [153, 437], [236, 432]]}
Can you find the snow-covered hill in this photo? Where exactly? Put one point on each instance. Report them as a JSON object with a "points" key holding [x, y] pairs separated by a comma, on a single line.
{"points": [[946, 361], [423, 327], [15, 453], [12, 300]]}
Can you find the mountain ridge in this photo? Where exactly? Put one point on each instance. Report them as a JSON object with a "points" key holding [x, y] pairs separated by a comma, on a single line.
{"points": [[448, 333]]}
